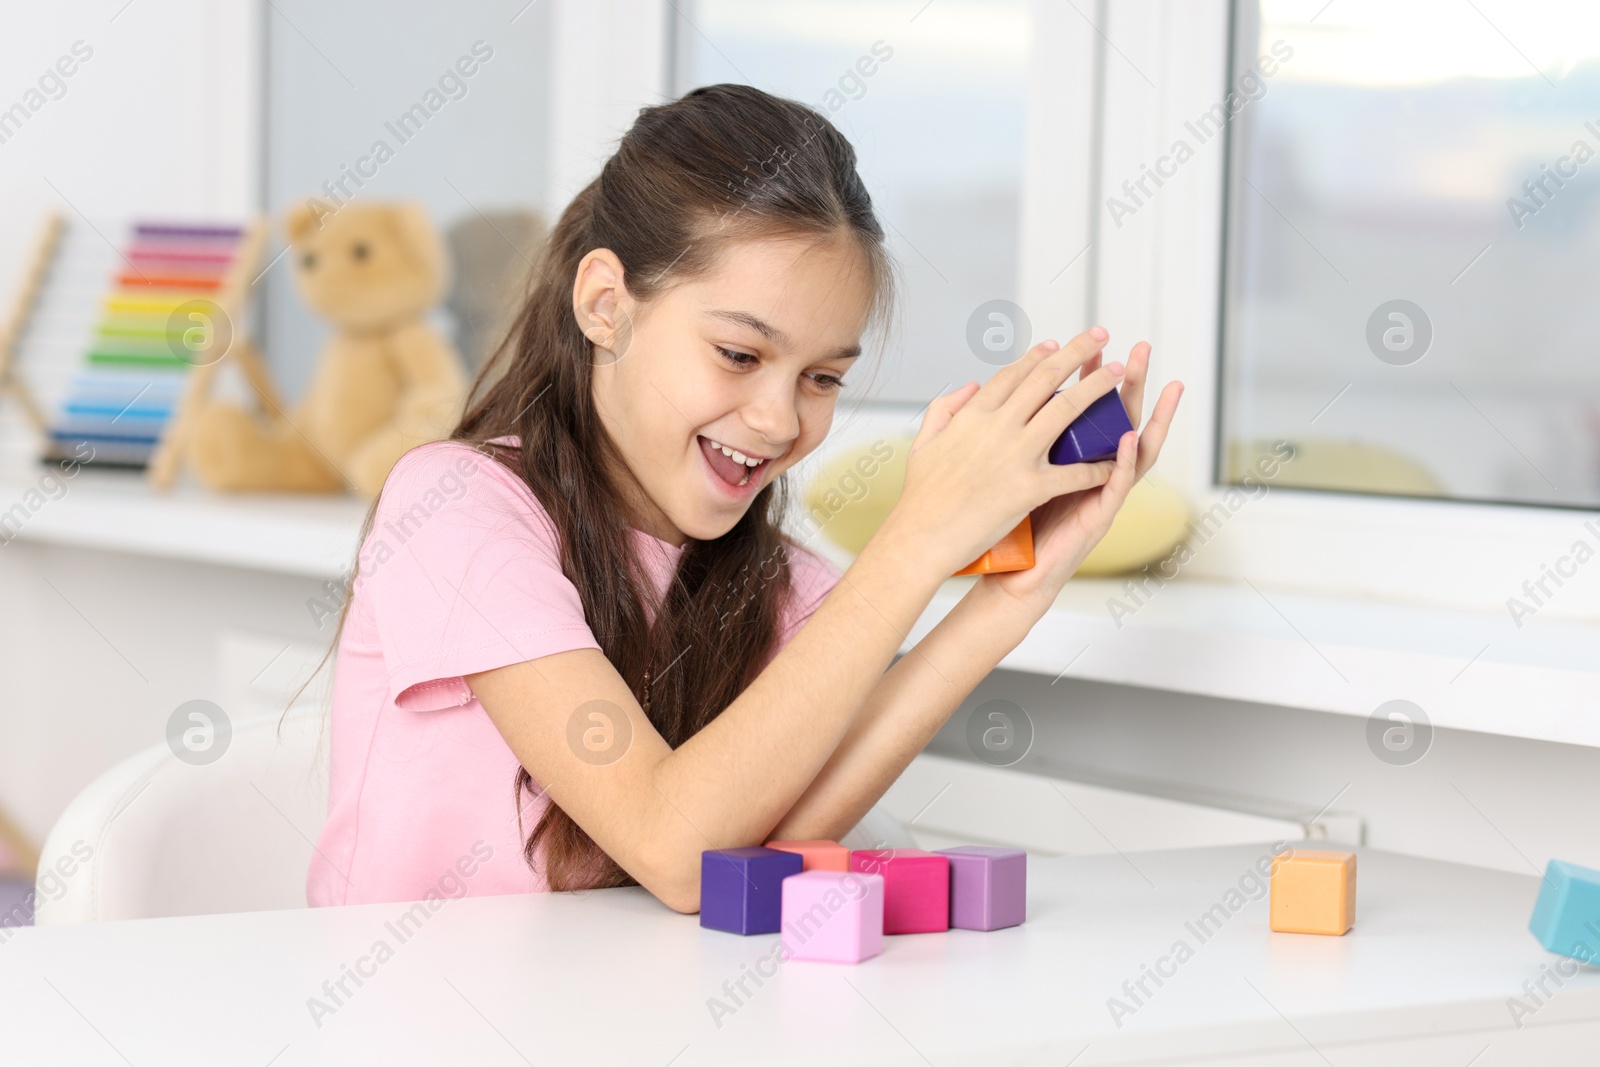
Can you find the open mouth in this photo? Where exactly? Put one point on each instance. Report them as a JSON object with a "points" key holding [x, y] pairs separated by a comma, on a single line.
{"points": [[732, 467]]}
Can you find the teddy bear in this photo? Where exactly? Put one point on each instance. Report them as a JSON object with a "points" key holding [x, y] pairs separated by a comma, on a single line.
{"points": [[386, 380]]}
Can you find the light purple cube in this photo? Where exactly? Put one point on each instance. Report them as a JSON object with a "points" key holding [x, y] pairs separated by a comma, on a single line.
{"points": [[988, 887], [833, 916]]}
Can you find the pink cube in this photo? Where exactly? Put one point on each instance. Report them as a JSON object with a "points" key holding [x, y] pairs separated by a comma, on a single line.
{"points": [[832, 916], [916, 888]]}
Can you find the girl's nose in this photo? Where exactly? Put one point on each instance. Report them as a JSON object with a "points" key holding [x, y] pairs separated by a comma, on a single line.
{"points": [[775, 416]]}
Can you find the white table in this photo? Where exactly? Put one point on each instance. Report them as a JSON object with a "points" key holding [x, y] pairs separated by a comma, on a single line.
{"points": [[613, 977]]}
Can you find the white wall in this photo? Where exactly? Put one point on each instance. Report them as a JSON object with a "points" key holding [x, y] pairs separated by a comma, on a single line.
{"points": [[99, 648], [1473, 798], [159, 120]]}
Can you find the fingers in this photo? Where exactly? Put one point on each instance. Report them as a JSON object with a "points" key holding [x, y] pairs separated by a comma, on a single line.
{"points": [[998, 389], [1155, 433], [1133, 383], [941, 411], [1059, 411], [1122, 478], [1050, 373], [1076, 477]]}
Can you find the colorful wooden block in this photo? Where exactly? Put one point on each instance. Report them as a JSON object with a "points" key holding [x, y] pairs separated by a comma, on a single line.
{"points": [[1013, 552], [1090, 437], [1313, 892], [817, 855], [916, 888], [741, 889], [1566, 917], [1093, 435], [988, 886], [833, 916]]}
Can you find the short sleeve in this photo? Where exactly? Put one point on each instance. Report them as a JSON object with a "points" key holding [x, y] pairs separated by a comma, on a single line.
{"points": [[811, 579], [462, 573]]}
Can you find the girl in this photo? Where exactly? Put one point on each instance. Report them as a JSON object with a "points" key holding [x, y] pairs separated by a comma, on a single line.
{"points": [[580, 615]]}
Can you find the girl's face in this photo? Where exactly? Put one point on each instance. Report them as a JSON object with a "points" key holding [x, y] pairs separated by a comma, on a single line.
{"points": [[723, 381]]}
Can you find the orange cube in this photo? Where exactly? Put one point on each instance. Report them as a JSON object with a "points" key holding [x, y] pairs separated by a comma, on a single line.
{"points": [[1013, 552], [817, 855], [1314, 892]]}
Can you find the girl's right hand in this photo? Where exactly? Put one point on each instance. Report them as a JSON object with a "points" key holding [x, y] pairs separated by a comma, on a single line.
{"points": [[980, 461]]}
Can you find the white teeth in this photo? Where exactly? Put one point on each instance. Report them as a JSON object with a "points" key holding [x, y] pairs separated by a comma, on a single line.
{"points": [[735, 455], [746, 479]]}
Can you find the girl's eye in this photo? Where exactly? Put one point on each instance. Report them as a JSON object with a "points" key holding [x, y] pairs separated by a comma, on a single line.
{"points": [[828, 382], [737, 358]]}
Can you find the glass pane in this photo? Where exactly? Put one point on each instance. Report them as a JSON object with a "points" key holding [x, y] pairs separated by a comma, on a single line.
{"points": [[371, 101], [937, 126], [1412, 248]]}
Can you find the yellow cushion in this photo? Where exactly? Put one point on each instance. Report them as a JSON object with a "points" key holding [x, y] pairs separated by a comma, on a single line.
{"points": [[1351, 466], [1152, 521], [855, 490]]}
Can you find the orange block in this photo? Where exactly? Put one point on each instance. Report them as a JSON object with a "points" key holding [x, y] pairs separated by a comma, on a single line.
{"points": [[817, 855], [1014, 552], [1314, 892]]}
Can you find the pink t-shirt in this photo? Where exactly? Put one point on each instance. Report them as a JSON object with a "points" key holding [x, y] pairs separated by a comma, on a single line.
{"points": [[461, 573]]}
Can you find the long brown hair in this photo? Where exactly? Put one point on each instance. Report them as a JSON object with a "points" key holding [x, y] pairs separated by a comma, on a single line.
{"points": [[723, 162]]}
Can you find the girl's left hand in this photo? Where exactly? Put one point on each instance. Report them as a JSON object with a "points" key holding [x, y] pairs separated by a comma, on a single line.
{"points": [[1068, 527]]}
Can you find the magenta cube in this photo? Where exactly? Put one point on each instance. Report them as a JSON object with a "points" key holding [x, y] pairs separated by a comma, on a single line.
{"points": [[1093, 435], [988, 887], [832, 916], [916, 888]]}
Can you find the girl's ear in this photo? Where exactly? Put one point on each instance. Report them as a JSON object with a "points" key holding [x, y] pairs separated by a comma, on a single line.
{"points": [[599, 303]]}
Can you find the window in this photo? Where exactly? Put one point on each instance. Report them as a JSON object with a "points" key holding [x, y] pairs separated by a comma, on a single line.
{"points": [[1158, 275], [363, 100], [933, 97], [1413, 207]]}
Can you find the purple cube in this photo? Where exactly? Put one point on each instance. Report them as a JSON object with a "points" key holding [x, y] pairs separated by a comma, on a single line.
{"points": [[988, 887], [1093, 435], [741, 889]]}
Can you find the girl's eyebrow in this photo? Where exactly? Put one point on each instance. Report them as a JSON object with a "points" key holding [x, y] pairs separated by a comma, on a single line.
{"points": [[773, 334], [751, 322]]}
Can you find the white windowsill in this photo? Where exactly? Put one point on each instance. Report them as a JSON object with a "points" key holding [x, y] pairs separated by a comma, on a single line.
{"points": [[1466, 670], [1317, 652]]}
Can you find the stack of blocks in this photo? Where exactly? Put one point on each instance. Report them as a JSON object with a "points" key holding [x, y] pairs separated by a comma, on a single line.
{"points": [[1091, 437], [834, 905]]}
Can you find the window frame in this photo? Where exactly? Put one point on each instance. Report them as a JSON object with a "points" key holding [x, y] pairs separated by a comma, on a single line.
{"points": [[1159, 276]]}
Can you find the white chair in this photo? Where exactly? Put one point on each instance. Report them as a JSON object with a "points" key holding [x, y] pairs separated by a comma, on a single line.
{"points": [[156, 836]]}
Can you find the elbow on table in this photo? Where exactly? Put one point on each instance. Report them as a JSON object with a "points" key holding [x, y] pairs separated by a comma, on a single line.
{"points": [[675, 882], [683, 904]]}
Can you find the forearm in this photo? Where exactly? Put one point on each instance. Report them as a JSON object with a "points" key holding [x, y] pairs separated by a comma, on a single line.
{"points": [[907, 707], [733, 781]]}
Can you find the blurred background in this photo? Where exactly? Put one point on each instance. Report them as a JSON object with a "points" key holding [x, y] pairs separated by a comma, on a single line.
{"points": [[1355, 603]]}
